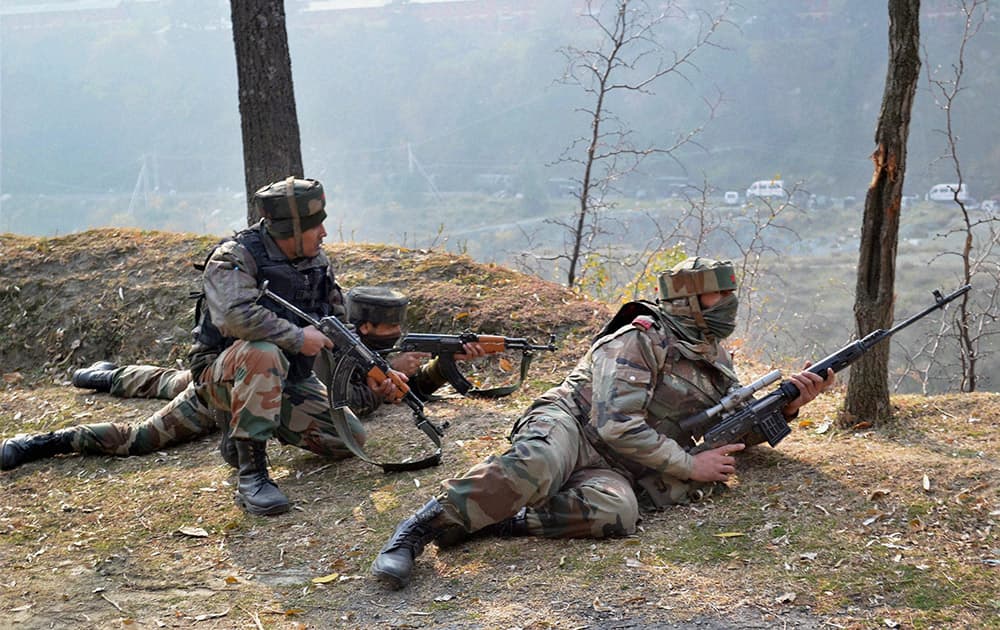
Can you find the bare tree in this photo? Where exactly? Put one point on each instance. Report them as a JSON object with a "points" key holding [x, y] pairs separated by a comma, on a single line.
{"points": [[629, 59], [976, 316], [270, 125], [868, 388]]}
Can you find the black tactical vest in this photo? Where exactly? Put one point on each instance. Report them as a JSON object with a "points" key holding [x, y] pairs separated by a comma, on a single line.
{"points": [[309, 290]]}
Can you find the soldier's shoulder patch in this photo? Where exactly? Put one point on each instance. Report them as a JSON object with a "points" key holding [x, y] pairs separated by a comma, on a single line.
{"points": [[644, 321]]}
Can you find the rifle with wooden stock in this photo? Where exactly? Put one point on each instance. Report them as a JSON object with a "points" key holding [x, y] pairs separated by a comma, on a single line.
{"points": [[352, 352], [446, 346]]}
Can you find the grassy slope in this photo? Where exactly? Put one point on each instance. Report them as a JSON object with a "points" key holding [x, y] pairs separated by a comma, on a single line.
{"points": [[852, 529]]}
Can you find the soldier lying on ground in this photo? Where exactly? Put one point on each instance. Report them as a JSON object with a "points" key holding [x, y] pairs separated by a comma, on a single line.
{"points": [[578, 453]]}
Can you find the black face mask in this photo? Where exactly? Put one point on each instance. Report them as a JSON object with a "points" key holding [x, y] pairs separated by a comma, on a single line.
{"points": [[379, 342]]}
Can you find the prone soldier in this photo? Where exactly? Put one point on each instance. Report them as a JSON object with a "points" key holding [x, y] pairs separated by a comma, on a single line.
{"points": [[580, 450]]}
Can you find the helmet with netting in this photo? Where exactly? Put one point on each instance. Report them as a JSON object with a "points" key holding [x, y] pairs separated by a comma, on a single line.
{"points": [[697, 275], [291, 206]]}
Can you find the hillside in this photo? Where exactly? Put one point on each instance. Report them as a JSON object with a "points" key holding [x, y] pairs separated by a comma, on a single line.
{"points": [[895, 527], [123, 295]]}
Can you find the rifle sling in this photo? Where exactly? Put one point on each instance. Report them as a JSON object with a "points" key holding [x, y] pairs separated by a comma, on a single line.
{"points": [[506, 390], [325, 368]]}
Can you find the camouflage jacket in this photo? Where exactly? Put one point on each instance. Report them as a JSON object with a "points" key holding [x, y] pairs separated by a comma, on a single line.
{"points": [[633, 387], [231, 286]]}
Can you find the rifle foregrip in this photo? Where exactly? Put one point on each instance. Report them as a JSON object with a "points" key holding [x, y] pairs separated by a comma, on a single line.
{"points": [[492, 343], [402, 389], [839, 359]]}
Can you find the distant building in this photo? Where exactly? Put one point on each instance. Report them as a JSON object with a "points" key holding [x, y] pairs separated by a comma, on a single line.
{"points": [[25, 14], [504, 14]]}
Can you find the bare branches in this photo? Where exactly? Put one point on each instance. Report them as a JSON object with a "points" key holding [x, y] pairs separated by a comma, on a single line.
{"points": [[629, 59], [975, 319]]}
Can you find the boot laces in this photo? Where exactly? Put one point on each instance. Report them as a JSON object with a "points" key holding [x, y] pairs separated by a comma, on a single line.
{"points": [[414, 538]]}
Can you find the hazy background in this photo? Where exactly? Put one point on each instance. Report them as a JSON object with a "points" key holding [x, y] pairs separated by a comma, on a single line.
{"points": [[125, 112]]}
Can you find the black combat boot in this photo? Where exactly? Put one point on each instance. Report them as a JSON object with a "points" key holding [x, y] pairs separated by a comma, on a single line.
{"points": [[27, 448], [257, 493], [227, 446], [97, 376], [394, 562], [510, 527]]}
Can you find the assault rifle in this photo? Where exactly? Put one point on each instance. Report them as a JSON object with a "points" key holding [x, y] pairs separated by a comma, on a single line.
{"points": [[445, 347], [764, 415], [351, 349]]}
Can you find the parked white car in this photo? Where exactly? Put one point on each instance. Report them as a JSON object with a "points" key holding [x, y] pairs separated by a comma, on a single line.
{"points": [[946, 192], [767, 188], [731, 197]]}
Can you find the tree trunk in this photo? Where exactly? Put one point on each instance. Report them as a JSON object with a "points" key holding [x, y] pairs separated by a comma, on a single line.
{"points": [[868, 388], [271, 147]]}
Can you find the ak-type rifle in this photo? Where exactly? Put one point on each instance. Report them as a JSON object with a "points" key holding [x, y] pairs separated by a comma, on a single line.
{"points": [[445, 347], [351, 350]]}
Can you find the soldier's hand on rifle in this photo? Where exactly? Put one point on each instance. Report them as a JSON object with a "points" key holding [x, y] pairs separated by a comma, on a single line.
{"points": [[473, 350], [810, 386], [313, 341], [409, 362], [387, 389], [716, 464]]}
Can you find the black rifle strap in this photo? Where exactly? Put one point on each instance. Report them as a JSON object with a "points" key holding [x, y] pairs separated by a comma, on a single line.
{"points": [[326, 366]]}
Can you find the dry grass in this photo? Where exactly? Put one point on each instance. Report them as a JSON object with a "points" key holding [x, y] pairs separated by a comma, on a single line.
{"points": [[852, 529]]}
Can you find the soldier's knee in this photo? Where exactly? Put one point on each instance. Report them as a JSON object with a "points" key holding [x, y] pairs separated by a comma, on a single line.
{"points": [[263, 357], [263, 349], [623, 521]]}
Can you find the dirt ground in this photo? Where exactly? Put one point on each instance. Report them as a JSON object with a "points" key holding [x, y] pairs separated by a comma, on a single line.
{"points": [[861, 528]]}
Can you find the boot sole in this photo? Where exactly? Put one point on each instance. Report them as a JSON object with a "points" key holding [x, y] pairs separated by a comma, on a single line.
{"points": [[387, 579], [259, 511]]}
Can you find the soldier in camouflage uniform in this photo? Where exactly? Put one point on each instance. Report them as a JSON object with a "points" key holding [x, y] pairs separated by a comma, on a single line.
{"points": [[250, 358], [585, 449], [377, 314], [132, 381]]}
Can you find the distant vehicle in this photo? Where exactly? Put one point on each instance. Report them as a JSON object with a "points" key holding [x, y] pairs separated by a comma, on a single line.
{"points": [[767, 188], [732, 197], [946, 192], [990, 205]]}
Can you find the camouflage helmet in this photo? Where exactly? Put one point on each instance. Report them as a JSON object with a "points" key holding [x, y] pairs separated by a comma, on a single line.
{"points": [[694, 276], [378, 305], [291, 206]]}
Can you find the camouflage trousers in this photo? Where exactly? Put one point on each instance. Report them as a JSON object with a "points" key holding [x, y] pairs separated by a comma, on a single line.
{"points": [[248, 380], [186, 417], [149, 381], [570, 491]]}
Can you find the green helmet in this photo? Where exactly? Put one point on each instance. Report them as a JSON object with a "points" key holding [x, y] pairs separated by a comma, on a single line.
{"points": [[378, 305], [291, 206], [694, 276]]}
